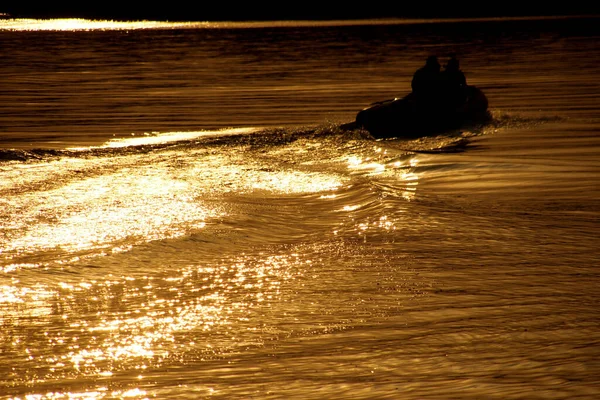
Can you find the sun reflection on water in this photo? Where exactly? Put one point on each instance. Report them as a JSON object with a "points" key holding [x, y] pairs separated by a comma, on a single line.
{"points": [[394, 178], [132, 311], [100, 211], [79, 24], [96, 328], [154, 138], [402, 169], [296, 182]]}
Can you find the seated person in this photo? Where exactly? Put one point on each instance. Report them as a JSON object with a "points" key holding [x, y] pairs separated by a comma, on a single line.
{"points": [[427, 79], [453, 78]]}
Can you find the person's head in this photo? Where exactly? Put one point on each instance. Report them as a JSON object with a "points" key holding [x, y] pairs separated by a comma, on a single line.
{"points": [[453, 64], [432, 62]]}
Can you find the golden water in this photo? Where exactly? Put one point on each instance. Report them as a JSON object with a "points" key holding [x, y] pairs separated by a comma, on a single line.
{"points": [[285, 257]]}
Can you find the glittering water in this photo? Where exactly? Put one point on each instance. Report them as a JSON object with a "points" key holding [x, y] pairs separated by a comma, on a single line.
{"points": [[182, 217]]}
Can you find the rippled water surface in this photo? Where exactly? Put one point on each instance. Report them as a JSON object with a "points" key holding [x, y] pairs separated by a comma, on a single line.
{"points": [[181, 215]]}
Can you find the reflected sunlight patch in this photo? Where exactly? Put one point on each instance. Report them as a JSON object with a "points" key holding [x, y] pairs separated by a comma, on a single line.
{"points": [[294, 182], [403, 170], [101, 211], [78, 24], [367, 165], [167, 137], [124, 323]]}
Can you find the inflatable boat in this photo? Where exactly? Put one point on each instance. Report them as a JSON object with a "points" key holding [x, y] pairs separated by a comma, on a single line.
{"points": [[411, 116]]}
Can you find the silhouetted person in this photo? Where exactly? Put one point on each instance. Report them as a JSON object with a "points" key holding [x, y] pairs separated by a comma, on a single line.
{"points": [[426, 80], [453, 79], [452, 74]]}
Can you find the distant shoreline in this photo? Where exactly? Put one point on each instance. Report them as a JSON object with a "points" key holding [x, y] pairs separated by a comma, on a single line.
{"points": [[304, 12]]}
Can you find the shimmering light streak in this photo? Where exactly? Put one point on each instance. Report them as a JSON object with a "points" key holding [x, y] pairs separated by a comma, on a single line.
{"points": [[359, 164], [411, 181], [130, 393], [100, 393], [77, 24], [168, 137]]}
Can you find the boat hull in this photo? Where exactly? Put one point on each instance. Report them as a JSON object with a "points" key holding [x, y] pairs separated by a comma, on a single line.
{"points": [[411, 117]]}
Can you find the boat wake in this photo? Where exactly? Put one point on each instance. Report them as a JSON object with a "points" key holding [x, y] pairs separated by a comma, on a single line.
{"points": [[449, 141]]}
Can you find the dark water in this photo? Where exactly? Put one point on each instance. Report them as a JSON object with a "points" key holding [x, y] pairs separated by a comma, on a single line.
{"points": [[182, 217]]}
